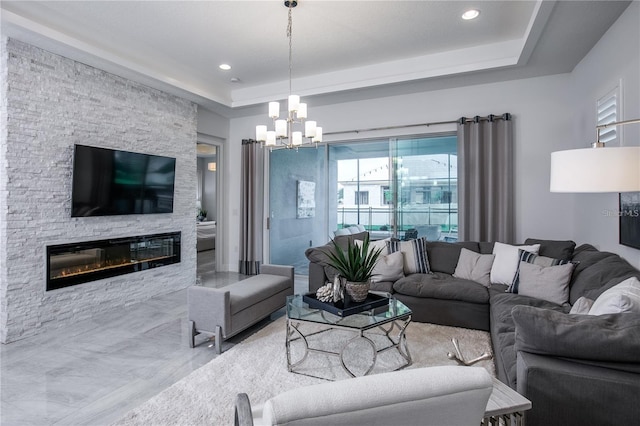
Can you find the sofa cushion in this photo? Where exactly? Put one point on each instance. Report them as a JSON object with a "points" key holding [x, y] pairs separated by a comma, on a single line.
{"points": [[415, 255], [505, 264], [486, 247], [443, 256], [554, 248], [475, 267], [319, 254], [503, 329], [624, 297], [439, 285], [611, 338], [596, 272]]}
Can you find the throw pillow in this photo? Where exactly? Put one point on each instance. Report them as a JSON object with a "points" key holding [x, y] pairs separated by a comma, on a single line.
{"points": [[624, 297], [505, 264], [389, 267], [527, 256], [550, 283], [581, 306], [415, 255], [475, 267], [377, 244]]}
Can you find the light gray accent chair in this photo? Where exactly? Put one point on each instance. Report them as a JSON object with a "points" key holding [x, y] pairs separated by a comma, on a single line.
{"points": [[432, 396], [226, 311]]}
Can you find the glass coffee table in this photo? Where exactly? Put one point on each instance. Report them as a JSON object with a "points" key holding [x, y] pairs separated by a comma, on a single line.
{"points": [[379, 330]]}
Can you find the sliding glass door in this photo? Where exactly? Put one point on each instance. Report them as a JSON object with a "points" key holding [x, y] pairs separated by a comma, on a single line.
{"points": [[400, 187]]}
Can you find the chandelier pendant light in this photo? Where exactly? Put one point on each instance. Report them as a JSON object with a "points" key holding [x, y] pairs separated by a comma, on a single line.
{"points": [[295, 130], [597, 169]]}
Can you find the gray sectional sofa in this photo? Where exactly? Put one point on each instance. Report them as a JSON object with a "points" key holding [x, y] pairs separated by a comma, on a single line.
{"points": [[575, 369]]}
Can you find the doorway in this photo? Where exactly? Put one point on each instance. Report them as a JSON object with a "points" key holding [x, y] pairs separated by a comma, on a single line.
{"points": [[208, 206]]}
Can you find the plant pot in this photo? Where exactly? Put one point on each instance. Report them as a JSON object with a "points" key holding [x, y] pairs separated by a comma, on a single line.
{"points": [[357, 291]]}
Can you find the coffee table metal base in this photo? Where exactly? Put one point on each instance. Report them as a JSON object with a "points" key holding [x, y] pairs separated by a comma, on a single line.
{"points": [[396, 341]]}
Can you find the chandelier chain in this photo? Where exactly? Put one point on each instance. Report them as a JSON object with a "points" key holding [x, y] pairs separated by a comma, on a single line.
{"points": [[290, 36]]}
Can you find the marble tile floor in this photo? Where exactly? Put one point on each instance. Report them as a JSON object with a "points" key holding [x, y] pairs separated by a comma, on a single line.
{"points": [[94, 372]]}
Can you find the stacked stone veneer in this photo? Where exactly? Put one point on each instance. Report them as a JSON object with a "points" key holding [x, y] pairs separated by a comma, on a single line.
{"points": [[49, 103]]}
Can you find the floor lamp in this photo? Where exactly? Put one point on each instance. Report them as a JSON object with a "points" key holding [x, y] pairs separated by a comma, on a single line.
{"points": [[597, 169]]}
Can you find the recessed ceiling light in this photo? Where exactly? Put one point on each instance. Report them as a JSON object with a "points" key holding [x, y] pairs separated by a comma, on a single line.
{"points": [[470, 14], [225, 67]]}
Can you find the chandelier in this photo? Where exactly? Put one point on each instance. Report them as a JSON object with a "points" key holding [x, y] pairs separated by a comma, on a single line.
{"points": [[288, 132]]}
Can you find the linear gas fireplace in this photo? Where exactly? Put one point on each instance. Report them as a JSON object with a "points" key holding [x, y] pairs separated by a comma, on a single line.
{"points": [[77, 263]]}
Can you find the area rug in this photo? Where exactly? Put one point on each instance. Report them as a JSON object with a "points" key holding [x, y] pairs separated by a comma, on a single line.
{"points": [[257, 367]]}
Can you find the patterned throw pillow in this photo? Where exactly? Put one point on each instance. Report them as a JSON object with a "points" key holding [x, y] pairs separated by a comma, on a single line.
{"points": [[415, 255], [528, 257], [505, 265]]}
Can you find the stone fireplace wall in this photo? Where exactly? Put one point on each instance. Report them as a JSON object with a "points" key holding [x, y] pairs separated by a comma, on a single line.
{"points": [[49, 103]]}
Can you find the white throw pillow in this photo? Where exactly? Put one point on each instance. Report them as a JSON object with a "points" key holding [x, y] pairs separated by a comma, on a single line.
{"points": [[389, 267], [624, 297], [475, 267], [373, 245], [505, 265], [581, 306]]}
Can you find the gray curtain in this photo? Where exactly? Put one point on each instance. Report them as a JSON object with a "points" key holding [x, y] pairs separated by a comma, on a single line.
{"points": [[252, 207], [485, 179]]}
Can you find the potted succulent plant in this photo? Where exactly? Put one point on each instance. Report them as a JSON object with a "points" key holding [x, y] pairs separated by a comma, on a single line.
{"points": [[355, 265]]}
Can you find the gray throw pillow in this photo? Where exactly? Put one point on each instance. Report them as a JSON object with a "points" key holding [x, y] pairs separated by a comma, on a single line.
{"points": [[475, 267], [550, 283], [529, 257]]}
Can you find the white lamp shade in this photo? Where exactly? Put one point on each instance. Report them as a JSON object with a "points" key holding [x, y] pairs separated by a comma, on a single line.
{"points": [[211, 167], [281, 128], [261, 133], [302, 110], [318, 135], [297, 138], [294, 102], [274, 110], [596, 170], [309, 129], [271, 138]]}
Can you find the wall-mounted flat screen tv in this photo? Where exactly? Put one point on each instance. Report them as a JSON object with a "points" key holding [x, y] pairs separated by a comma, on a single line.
{"points": [[109, 182]]}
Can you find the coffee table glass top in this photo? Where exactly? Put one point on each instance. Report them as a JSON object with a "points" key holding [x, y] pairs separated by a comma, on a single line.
{"points": [[297, 309]]}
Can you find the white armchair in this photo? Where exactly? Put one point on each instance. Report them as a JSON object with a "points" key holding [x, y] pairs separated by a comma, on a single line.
{"points": [[438, 396]]}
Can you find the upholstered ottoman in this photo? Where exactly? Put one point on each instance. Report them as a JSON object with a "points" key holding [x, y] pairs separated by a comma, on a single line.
{"points": [[225, 312]]}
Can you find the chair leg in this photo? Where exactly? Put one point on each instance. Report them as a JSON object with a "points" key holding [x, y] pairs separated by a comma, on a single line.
{"points": [[218, 337], [191, 333]]}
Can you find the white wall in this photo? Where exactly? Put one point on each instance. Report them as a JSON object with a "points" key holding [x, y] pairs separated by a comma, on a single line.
{"points": [[52, 103], [541, 125], [614, 60]]}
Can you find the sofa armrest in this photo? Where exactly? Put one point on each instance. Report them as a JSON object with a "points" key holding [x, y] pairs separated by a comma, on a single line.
{"points": [[243, 416], [613, 338], [282, 270], [565, 392], [208, 307], [317, 277]]}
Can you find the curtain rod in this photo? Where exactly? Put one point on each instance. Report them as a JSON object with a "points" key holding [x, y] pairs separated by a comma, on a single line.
{"points": [[462, 120]]}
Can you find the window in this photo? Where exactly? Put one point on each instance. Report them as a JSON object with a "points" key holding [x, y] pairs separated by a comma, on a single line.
{"points": [[386, 196], [395, 185], [362, 197], [608, 111]]}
